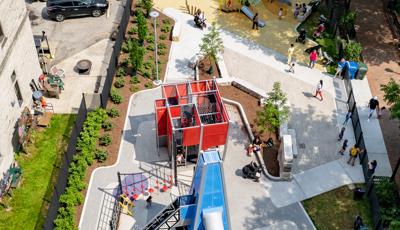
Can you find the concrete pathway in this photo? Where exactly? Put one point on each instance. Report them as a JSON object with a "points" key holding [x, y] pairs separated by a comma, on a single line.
{"points": [[250, 207], [137, 148]]}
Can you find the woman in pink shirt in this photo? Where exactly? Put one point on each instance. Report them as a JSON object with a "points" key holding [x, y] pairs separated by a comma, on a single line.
{"points": [[313, 58]]}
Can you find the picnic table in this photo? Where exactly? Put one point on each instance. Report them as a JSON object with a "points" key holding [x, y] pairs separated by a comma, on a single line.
{"points": [[55, 80]]}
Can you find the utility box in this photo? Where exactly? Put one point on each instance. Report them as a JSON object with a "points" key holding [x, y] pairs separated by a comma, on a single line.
{"points": [[362, 70], [285, 157]]}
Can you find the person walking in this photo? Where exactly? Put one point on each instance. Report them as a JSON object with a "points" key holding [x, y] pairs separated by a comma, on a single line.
{"points": [[290, 54], [373, 105], [344, 146], [149, 200], [371, 167], [318, 91], [255, 21], [280, 13], [313, 58], [341, 134], [348, 116], [354, 151]]}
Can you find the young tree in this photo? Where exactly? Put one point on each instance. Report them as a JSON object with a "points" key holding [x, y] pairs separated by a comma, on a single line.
{"points": [[275, 111], [142, 26], [392, 97], [148, 5], [136, 54], [211, 45]]}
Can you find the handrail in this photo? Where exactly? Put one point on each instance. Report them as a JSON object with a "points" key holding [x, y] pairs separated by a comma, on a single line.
{"points": [[172, 204]]}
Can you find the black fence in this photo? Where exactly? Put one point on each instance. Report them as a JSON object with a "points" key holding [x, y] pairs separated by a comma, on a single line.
{"points": [[358, 133], [113, 64], [59, 188]]}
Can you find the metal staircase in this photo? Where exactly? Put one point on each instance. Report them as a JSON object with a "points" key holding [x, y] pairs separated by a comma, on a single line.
{"points": [[167, 218]]}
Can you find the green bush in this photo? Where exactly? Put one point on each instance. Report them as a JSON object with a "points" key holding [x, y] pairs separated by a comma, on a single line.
{"points": [[101, 155], [148, 65], [161, 46], [135, 80], [146, 74], [162, 37], [119, 83], [107, 126], [166, 21], [150, 38], [148, 84], [133, 30], [105, 140], [352, 51], [113, 112], [150, 47], [134, 88], [124, 47], [166, 28], [76, 173], [121, 72], [388, 201], [161, 52], [147, 5], [329, 46], [115, 96]]}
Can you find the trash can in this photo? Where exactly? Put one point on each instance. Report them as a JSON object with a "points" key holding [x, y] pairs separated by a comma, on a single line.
{"points": [[362, 70], [358, 193]]}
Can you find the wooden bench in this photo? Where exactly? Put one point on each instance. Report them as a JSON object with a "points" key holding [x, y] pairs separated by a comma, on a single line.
{"points": [[44, 120]]}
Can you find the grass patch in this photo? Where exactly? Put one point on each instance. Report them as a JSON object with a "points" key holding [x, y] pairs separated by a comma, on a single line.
{"points": [[40, 167], [337, 209]]}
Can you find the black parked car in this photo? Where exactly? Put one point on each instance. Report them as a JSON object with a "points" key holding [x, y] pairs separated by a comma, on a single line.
{"points": [[61, 9]]}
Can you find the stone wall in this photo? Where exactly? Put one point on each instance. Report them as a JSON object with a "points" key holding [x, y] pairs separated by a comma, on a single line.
{"points": [[17, 55]]}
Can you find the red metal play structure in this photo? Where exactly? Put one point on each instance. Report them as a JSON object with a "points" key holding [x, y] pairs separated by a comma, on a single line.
{"points": [[190, 117]]}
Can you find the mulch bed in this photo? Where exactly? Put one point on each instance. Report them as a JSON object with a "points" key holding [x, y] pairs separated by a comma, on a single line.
{"points": [[204, 66], [251, 105], [128, 90]]}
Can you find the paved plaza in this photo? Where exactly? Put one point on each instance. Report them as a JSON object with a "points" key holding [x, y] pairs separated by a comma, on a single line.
{"points": [[268, 204]]}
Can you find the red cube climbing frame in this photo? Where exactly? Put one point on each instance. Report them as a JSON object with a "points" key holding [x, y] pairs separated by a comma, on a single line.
{"points": [[191, 114]]}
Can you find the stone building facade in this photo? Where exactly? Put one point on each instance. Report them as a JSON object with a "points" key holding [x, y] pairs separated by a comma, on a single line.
{"points": [[19, 65]]}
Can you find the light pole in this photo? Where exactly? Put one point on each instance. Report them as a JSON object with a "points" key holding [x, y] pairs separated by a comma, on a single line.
{"points": [[154, 14]]}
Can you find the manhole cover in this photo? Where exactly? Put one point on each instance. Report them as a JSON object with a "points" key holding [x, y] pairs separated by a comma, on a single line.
{"points": [[302, 145]]}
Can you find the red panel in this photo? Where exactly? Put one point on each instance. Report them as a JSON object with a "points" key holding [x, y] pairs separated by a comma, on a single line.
{"points": [[162, 121], [183, 101], [169, 91], [198, 87], [169, 128], [175, 111], [191, 136], [214, 135], [182, 90], [160, 103]]}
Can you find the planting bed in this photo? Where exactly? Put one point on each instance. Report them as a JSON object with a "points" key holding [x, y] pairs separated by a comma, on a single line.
{"points": [[251, 105], [143, 80]]}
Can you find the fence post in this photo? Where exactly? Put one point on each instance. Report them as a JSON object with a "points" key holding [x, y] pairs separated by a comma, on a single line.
{"points": [[395, 170]]}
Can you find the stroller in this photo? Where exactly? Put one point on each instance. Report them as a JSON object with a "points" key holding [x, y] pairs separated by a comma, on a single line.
{"points": [[252, 171], [302, 37]]}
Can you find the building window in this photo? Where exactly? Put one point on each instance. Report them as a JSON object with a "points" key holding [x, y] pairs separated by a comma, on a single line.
{"points": [[16, 88]]}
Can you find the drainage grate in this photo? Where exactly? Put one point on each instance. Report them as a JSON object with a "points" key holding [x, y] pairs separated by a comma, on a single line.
{"points": [[302, 145]]}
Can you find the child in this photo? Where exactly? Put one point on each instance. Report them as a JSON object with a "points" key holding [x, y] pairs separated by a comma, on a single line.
{"points": [[291, 69], [280, 13], [380, 112], [344, 147], [341, 133]]}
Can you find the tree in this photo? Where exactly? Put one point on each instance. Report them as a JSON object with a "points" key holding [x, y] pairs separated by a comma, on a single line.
{"points": [[211, 45], [392, 97], [136, 54], [142, 26], [147, 5], [275, 111]]}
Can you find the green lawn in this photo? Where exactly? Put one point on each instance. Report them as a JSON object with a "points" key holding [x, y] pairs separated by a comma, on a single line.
{"points": [[337, 209], [40, 166]]}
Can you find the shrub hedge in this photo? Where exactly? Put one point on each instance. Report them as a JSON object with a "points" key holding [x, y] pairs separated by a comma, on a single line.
{"points": [[86, 147]]}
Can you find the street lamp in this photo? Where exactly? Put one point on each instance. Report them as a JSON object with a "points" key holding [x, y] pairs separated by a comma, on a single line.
{"points": [[154, 14]]}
